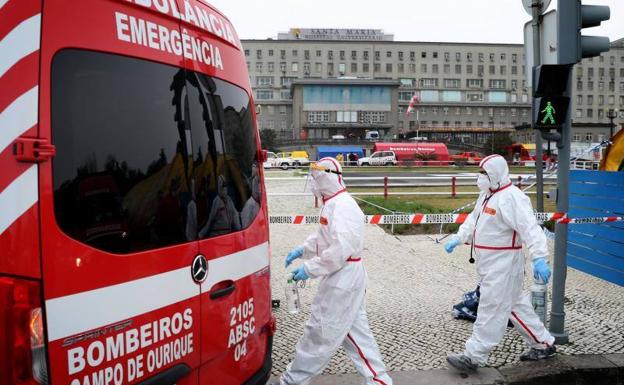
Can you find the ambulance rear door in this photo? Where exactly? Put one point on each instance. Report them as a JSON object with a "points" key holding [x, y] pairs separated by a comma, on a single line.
{"points": [[120, 260]]}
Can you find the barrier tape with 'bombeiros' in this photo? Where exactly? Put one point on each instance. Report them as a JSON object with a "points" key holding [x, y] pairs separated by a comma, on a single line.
{"points": [[421, 219]]}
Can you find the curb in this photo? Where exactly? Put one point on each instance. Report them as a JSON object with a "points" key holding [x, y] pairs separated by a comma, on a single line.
{"points": [[591, 369]]}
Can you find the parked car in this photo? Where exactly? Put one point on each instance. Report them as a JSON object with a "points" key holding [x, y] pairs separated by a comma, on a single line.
{"points": [[338, 137], [271, 160], [299, 158], [381, 158], [372, 135]]}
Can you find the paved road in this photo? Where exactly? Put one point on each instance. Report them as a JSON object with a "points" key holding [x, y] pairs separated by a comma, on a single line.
{"points": [[413, 284]]}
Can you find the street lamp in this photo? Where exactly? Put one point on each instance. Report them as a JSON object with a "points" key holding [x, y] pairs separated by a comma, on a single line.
{"points": [[612, 114]]}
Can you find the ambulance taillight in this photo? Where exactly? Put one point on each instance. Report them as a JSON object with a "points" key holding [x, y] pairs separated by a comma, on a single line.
{"points": [[22, 342]]}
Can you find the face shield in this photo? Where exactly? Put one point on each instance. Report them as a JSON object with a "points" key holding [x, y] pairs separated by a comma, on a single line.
{"points": [[310, 185]]}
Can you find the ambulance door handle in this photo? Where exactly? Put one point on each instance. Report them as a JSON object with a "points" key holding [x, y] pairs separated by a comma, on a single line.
{"points": [[222, 289]]}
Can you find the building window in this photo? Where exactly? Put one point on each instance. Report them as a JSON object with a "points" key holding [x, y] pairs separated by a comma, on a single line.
{"points": [[259, 67], [401, 68], [286, 81], [285, 95], [318, 116], [497, 84], [342, 55], [503, 70], [405, 96], [353, 55], [491, 58], [576, 137], [434, 68], [294, 67], [578, 113], [371, 117], [377, 55], [423, 68], [469, 69], [452, 83], [590, 113], [435, 55], [492, 70], [474, 83], [423, 54], [400, 55], [353, 67], [306, 68], [246, 52], [388, 67], [283, 54], [365, 55], [271, 66], [412, 68], [330, 55], [319, 53], [318, 67], [306, 54], [590, 100], [481, 57], [474, 97], [264, 80], [365, 67], [264, 94], [447, 56], [428, 82], [388, 54], [282, 66], [412, 56], [377, 67], [458, 68], [342, 68], [589, 137]]}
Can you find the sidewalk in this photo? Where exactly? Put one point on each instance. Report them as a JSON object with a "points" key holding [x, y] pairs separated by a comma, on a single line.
{"points": [[588, 369]]}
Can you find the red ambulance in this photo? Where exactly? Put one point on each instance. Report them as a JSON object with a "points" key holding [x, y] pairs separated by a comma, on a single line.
{"points": [[133, 219]]}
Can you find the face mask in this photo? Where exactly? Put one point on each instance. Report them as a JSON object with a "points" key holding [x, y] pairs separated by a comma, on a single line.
{"points": [[483, 182]]}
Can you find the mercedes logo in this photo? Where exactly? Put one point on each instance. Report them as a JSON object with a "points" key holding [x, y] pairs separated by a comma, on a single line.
{"points": [[199, 269]]}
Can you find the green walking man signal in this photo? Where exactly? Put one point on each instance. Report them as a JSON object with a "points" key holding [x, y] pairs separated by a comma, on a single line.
{"points": [[550, 114]]}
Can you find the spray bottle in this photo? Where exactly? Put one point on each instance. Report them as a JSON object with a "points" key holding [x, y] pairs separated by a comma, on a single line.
{"points": [[292, 297], [538, 298]]}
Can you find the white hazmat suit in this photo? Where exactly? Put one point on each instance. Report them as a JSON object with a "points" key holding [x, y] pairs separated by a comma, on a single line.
{"points": [[500, 224], [338, 315]]}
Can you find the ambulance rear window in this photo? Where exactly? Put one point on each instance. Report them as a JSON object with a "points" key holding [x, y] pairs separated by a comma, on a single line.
{"points": [[149, 155]]}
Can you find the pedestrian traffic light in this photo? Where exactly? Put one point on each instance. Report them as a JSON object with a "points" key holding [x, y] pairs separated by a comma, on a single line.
{"points": [[572, 17], [551, 100]]}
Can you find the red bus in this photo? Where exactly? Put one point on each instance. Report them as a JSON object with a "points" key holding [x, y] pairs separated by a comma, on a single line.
{"points": [[434, 154], [133, 227]]}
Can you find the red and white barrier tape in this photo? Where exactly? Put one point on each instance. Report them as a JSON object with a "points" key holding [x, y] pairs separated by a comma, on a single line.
{"points": [[421, 219]]}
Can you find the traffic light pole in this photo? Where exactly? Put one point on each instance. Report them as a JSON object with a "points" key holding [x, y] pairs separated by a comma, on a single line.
{"points": [[560, 265], [539, 174]]}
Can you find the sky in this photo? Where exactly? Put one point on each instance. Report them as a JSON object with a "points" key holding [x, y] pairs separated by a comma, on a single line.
{"points": [[481, 21]]}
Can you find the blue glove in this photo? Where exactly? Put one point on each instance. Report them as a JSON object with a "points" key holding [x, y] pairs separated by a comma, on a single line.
{"points": [[451, 245], [295, 253], [299, 274], [541, 270]]}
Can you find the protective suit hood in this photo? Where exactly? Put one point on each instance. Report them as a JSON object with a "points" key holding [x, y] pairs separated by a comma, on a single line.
{"points": [[497, 170], [326, 177]]}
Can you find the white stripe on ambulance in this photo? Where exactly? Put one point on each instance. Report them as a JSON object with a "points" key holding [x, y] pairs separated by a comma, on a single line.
{"points": [[18, 197], [88, 310], [146, 33], [20, 42], [18, 117]]}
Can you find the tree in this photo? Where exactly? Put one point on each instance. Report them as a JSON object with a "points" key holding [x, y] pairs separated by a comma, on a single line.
{"points": [[267, 139], [498, 143]]}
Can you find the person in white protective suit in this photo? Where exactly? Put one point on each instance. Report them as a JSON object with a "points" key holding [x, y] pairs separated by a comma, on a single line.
{"points": [[333, 254], [500, 223]]}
